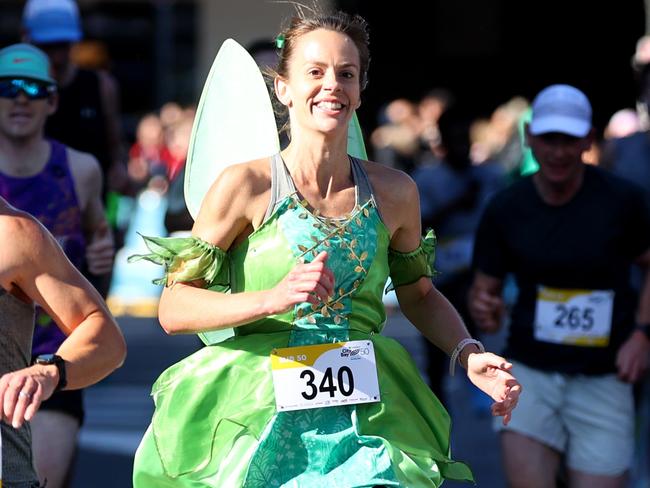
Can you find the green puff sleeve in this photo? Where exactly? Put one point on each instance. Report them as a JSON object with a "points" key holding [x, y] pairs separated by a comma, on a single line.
{"points": [[187, 259], [408, 267]]}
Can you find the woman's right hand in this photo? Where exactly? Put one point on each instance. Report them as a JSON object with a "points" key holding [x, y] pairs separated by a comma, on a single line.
{"points": [[309, 282]]}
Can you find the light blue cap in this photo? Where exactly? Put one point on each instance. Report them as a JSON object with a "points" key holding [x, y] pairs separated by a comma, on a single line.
{"points": [[25, 61], [49, 21], [563, 109]]}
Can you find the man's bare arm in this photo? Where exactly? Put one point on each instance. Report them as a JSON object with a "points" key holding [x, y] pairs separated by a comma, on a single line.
{"points": [[87, 176], [34, 266]]}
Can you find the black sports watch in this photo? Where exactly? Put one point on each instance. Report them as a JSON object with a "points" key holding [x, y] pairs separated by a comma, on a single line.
{"points": [[645, 328], [60, 365]]}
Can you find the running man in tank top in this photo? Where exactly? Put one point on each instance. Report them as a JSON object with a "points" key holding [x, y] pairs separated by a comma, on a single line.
{"points": [[34, 269], [61, 187], [87, 118]]}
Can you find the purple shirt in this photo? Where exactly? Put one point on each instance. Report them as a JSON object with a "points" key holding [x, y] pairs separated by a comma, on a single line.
{"points": [[50, 196]]}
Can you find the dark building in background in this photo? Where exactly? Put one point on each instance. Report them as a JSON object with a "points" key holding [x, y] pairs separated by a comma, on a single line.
{"points": [[485, 51], [149, 46]]}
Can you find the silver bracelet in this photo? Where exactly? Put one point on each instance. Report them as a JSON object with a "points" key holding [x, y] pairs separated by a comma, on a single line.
{"points": [[455, 355]]}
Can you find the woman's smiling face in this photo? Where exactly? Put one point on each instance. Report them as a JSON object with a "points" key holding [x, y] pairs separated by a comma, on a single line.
{"points": [[323, 88]]}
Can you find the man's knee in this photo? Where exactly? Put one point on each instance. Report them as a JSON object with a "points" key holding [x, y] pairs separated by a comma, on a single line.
{"points": [[54, 440], [528, 463]]}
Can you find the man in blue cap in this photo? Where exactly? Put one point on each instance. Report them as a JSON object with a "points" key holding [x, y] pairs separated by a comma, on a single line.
{"points": [[569, 234], [61, 187], [87, 118]]}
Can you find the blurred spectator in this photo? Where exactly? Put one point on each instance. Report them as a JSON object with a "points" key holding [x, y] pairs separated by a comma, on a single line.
{"points": [[88, 115], [629, 155], [569, 234], [623, 123], [430, 108], [146, 153], [500, 138], [177, 217], [396, 142], [506, 144], [91, 55], [170, 114], [177, 141], [453, 193], [61, 187], [480, 143], [641, 67]]}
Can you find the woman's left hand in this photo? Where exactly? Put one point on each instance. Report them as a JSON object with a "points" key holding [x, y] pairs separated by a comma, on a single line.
{"points": [[492, 374]]}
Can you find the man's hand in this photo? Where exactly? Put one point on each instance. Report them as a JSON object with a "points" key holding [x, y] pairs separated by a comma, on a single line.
{"points": [[22, 391], [100, 252], [632, 357], [485, 307]]}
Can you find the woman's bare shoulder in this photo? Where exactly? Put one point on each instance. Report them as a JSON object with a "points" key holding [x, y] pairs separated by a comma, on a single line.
{"points": [[391, 185], [234, 201], [22, 238], [248, 178]]}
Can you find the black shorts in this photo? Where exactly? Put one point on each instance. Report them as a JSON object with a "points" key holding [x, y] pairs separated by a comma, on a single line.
{"points": [[69, 402]]}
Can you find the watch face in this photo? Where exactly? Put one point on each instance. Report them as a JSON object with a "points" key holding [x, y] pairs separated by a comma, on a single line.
{"points": [[45, 359]]}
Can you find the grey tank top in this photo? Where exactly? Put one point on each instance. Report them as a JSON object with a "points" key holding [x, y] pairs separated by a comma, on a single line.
{"points": [[282, 184], [16, 329]]}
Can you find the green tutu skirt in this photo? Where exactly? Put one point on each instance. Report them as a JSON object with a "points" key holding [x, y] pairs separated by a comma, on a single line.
{"points": [[215, 425]]}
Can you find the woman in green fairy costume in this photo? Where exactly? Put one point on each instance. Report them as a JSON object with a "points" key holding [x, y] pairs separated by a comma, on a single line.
{"points": [[294, 251]]}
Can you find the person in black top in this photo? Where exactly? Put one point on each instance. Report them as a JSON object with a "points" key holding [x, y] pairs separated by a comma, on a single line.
{"points": [[87, 118], [569, 234]]}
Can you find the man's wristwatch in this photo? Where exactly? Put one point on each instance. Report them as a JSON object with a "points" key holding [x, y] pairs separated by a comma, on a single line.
{"points": [[645, 328], [60, 365]]}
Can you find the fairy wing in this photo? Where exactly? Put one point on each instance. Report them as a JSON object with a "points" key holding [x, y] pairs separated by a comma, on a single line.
{"points": [[356, 147], [234, 122]]}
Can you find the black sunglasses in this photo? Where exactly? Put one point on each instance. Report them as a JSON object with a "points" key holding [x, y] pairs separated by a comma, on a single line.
{"points": [[34, 90]]}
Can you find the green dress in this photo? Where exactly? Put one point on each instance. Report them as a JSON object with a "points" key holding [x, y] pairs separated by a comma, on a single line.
{"points": [[215, 422]]}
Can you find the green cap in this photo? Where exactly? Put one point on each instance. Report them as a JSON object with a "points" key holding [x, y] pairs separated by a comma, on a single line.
{"points": [[25, 61]]}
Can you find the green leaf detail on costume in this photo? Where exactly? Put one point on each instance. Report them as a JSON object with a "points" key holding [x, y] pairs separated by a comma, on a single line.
{"points": [[186, 259]]}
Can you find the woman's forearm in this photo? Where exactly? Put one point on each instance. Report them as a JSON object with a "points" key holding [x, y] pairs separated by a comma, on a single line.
{"points": [[186, 309], [433, 315]]}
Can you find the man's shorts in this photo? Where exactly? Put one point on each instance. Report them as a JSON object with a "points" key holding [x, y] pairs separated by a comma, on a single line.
{"points": [[69, 402], [588, 418]]}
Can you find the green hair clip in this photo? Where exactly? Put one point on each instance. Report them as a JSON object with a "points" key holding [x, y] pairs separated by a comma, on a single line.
{"points": [[279, 41]]}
